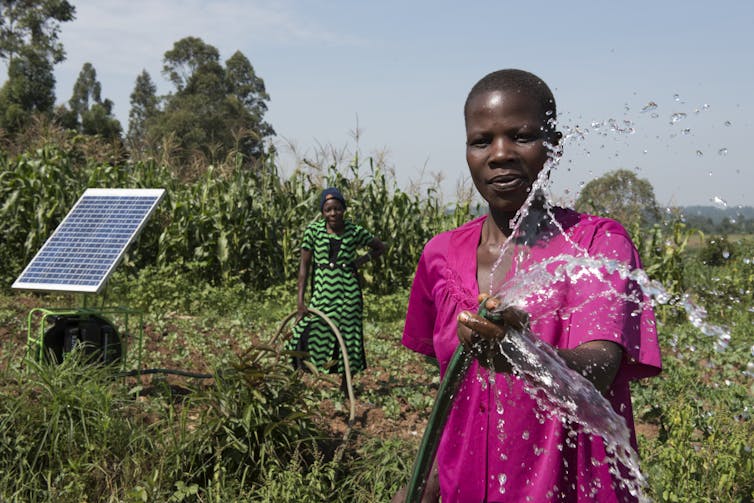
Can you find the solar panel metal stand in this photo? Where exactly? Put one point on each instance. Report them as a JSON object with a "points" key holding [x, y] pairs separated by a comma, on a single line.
{"points": [[40, 320]]}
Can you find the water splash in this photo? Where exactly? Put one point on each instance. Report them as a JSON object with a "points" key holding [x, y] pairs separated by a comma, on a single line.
{"points": [[719, 202], [649, 107], [559, 390], [569, 395], [677, 116]]}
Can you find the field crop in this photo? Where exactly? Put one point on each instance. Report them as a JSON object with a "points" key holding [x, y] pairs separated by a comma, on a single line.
{"points": [[214, 275]]}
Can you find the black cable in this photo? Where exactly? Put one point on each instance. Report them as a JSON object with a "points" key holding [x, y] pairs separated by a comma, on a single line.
{"points": [[183, 373]]}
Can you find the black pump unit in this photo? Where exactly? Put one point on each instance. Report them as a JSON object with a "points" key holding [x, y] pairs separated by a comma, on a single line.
{"points": [[96, 335]]}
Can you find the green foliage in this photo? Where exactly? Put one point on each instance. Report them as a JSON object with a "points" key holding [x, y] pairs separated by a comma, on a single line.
{"points": [[721, 278], [216, 112], [379, 468], [663, 250], [29, 44], [71, 432], [29, 90], [144, 107], [298, 482], [704, 456], [716, 251], [61, 428], [620, 195], [89, 113], [253, 417], [231, 224], [32, 26]]}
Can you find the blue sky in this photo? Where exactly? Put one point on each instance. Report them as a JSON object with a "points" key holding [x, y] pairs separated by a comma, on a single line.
{"points": [[401, 70]]}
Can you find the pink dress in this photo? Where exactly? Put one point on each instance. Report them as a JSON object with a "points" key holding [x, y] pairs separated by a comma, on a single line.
{"points": [[497, 444]]}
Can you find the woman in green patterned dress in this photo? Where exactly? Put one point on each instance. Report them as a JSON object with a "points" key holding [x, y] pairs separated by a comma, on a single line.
{"points": [[330, 252]]}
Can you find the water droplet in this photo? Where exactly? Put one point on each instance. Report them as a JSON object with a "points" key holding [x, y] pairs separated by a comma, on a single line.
{"points": [[719, 202], [677, 117], [705, 107], [728, 123], [677, 97], [525, 435], [699, 153], [686, 131], [722, 151], [649, 107]]}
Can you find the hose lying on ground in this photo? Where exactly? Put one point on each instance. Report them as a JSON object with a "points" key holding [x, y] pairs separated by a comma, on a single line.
{"points": [[343, 350]]}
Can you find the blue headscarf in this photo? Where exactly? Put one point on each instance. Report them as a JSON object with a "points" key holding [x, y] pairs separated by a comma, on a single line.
{"points": [[331, 193]]}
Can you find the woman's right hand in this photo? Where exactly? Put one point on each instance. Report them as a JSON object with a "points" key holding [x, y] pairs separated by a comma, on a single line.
{"points": [[301, 311], [481, 334]]}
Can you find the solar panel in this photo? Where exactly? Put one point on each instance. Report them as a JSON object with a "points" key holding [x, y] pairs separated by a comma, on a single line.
{"points": [[90, 241]]}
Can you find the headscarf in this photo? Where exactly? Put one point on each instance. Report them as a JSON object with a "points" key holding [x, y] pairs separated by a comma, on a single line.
{"points": [[331, 193]]}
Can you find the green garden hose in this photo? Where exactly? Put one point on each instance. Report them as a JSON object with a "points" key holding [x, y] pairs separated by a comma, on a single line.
{"points": [[343, 350], [454, 375]]}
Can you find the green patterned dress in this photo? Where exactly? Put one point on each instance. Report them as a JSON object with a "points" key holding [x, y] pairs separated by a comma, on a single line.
{"points": [[337, 293]]}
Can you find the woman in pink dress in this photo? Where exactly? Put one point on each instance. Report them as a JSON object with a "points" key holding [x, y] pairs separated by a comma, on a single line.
{"points": [[499, 443]]}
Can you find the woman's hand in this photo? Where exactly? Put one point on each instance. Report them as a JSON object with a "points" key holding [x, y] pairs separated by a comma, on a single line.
{"points": [[482, 333], [301, 311]]}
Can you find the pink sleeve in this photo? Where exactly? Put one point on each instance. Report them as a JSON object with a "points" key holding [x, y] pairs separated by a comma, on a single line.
{"points": [[615, 309], [420, 316]]}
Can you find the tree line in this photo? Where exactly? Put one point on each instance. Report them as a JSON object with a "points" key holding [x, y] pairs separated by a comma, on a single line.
{"points": [[214, 110]]}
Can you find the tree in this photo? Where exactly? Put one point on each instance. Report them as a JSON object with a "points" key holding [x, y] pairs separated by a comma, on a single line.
{"points": [[33, 26], [29, 89], [620, 195], [29, 44], [249, 90], [215, 109], [187, 56], [87, 88], [88, 112], [144, 107]]}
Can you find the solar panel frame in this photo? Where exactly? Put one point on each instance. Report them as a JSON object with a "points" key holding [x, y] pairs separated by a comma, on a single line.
{"points": [[90, 242]]}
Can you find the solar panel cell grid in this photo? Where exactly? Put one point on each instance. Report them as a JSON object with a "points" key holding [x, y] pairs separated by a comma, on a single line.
{"points": [[87, 245]]}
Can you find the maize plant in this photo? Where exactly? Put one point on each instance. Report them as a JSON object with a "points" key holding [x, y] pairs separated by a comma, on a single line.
{"points": [[233, 222]]}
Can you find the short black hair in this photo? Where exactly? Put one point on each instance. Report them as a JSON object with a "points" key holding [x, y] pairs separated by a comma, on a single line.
{"points": [[520, 81]]}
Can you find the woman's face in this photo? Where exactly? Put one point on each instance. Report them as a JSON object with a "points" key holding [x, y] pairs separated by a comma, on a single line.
{"points": [[333, 212], [505, 147]]}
